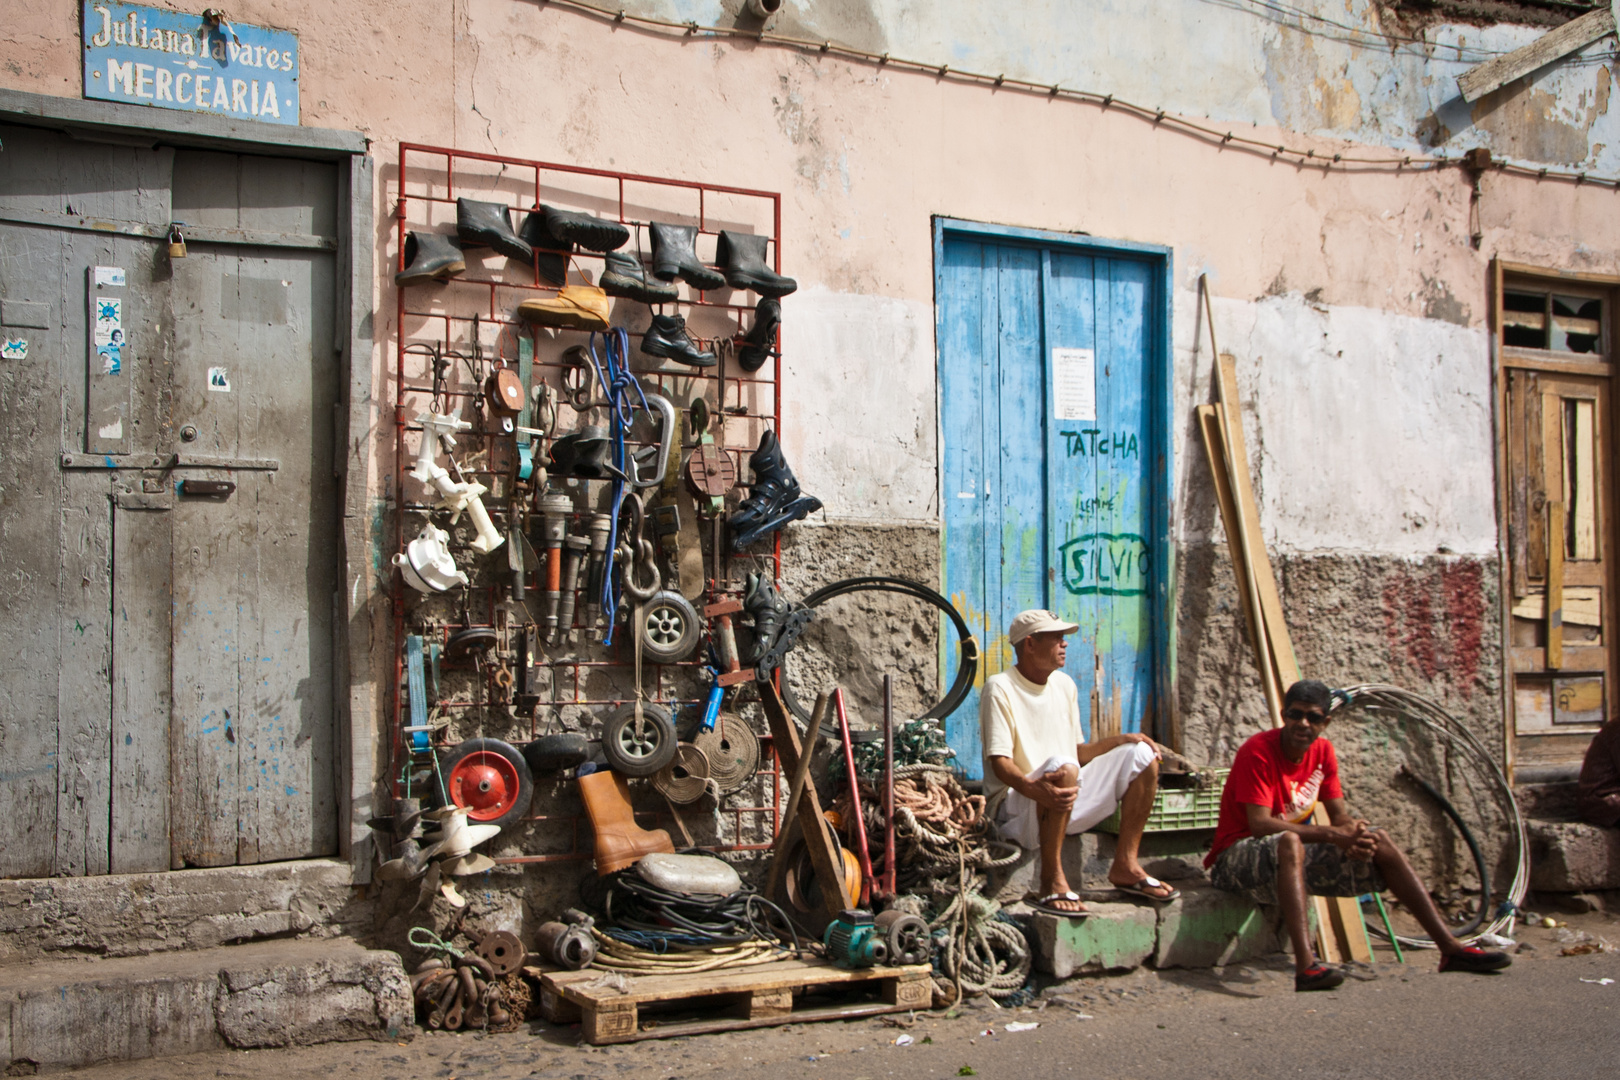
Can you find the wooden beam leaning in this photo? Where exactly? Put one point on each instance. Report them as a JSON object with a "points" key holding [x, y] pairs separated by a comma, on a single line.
{"points": [[826, 861], [1279, 647], [1210, 430], [1478, 81]]}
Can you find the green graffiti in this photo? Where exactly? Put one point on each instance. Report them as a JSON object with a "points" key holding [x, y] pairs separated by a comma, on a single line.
{"points": [[1106, 564]]}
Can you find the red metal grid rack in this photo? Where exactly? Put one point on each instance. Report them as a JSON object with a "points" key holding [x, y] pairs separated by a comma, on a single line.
{"points": [[429, 181]]}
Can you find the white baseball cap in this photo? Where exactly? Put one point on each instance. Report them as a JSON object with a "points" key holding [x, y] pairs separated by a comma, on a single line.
{"points": [[1037, 621]]}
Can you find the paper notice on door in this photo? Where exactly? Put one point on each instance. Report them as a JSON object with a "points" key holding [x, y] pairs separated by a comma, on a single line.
{"points": [[109, 276], [219, 380], [1074, 384], [109, 321]]}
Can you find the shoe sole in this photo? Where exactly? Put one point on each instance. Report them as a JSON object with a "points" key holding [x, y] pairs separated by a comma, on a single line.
{"points": [[665, 354], [562, 320], [631, 289], [597, 236], [425, 277], [761, 286]]}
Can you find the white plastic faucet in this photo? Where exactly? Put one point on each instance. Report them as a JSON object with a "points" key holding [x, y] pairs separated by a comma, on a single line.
{"points": [[454, 496]]}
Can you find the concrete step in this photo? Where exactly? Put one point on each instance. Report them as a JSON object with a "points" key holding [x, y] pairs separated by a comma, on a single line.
{"points": [[1572, 856], [1204, 928], [66, 1013]]}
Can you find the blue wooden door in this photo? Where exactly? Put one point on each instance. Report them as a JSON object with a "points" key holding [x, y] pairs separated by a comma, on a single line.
{"points": [[1052, 408]]}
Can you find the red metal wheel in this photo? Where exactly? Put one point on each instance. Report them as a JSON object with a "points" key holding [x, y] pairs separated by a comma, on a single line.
{"points": [[490, 780]]}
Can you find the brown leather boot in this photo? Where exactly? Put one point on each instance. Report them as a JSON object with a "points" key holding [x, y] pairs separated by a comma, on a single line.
{"points": [[619, 840]]}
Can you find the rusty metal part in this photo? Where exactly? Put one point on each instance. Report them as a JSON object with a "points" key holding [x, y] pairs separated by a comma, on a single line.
{"points": [[479, 964], [569, 946], [432, 963], [503, 950], [710, 471]]}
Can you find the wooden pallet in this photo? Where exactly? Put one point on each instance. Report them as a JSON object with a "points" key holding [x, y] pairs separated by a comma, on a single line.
{"points": [[761, 996]]}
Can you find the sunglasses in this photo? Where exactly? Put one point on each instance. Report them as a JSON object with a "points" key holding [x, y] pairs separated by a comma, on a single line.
{"points": [[1306, 714]]}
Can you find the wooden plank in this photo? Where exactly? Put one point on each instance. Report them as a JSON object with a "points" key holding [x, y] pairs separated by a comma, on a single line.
{"points": [[84, 702], [1535, 464], [787, 974], [1270, 603], [670, 1029], [1211, 430], [1497, 72], [1518, 482], [1585, 480], [1250, 542], [769, 1004], [33, 397], [828, 866], [1555, 586], [141, 691], [1583, 605]]}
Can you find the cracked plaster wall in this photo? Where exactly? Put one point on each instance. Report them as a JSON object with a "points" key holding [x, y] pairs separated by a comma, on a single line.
{"points": [[1355, 304]]}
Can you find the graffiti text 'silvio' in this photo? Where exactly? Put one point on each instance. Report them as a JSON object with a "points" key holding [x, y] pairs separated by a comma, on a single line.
{"points": [[1109, 564], [171, 60]]}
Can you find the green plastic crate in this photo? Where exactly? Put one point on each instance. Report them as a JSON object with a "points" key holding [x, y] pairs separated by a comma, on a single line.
{"points": [[1178, 809]]}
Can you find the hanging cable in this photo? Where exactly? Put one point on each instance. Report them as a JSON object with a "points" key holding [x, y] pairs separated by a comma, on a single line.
{"points": [[617, 382], [1157, 117]]}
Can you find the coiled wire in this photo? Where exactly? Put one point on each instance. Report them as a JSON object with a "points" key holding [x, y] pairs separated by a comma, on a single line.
{"points": [[1383, 701]]}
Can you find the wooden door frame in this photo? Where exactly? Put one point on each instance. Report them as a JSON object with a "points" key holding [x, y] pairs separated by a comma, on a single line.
{"points": [[1501, 270], [354, 687], [1160, 440]]}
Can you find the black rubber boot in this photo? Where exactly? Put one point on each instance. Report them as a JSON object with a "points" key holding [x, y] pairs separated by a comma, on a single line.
{"points": [[667, 337], [550, 250], [591, 233], [760, 341], [743, 256], [674, 255], [625, 276], [773, 498], [429, 257], [777, 624], [489, 223]]}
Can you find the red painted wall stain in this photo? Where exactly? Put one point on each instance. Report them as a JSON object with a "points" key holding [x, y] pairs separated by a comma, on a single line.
{"points": [[1434, 623]]}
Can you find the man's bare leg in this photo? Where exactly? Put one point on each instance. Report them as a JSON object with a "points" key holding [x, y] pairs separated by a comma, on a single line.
{"points": [[1291, 896], [1410, 890], [1053, 826], [1134, 809]]}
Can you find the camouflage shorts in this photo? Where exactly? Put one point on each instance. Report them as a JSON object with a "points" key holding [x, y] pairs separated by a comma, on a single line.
{"points": [[1250, 866]]}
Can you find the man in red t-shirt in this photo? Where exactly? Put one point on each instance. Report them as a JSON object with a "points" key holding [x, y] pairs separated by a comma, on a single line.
{"points": [[1266, 846]]}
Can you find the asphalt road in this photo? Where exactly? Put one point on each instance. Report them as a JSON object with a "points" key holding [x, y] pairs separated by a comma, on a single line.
{"points": [[1539, 1019]]}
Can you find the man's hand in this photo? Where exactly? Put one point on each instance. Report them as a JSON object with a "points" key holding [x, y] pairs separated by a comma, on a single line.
{"points": [[1050, 793], [1137, 736], [1355, 839]]}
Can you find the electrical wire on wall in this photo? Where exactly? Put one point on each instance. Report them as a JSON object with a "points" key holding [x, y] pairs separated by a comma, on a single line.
{"points": [[1308, 157]]}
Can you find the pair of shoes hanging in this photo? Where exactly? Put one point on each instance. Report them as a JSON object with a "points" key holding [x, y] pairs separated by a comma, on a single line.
{"points": [[741, 256], [544, 240]]}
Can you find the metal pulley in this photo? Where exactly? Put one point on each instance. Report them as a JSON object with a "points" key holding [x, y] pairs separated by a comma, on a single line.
{"points": [[710, 471]]}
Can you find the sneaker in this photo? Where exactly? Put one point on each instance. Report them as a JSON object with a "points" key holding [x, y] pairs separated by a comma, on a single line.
{"points": [[1317, 977], [1472, 959]]}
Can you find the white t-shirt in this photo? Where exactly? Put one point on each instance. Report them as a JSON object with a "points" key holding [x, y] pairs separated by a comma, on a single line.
{"points": [[1027, 723]]}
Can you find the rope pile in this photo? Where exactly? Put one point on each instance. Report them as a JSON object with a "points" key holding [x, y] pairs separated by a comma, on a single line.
{"points": [[944, 843]]}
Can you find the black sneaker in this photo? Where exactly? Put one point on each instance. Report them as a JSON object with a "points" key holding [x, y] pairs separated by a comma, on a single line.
{"points": [[1317, 977], [1472, 959]]}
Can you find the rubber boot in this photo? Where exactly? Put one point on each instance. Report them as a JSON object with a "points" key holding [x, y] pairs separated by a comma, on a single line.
{"points": [[619, 840], [490, 223], [674, 255], [743, 256], [773, 498], [429, 257], [777, 624], [667, 337], [623, 275], [592, 233], [550, 250], [759, 344]]}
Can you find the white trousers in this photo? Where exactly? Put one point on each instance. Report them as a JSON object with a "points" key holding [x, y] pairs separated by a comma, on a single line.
{"points": [[1103, 781]]}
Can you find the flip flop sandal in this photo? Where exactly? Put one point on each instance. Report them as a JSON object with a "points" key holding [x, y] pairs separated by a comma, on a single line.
{"points": [[1044, 904], [1141, 888]]}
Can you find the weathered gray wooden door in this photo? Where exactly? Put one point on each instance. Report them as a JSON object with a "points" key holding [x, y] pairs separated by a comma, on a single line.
{"points": [[168, 515]]}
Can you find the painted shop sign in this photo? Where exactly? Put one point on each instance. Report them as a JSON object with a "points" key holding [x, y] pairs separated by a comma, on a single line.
{"points": [[174, 60]]}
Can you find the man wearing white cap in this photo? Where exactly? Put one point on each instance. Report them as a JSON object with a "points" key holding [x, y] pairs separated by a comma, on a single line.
{"points": [[1048, 780]]}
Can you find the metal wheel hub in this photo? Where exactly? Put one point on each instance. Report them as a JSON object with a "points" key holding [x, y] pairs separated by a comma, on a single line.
{"points": [[484, 784]]}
